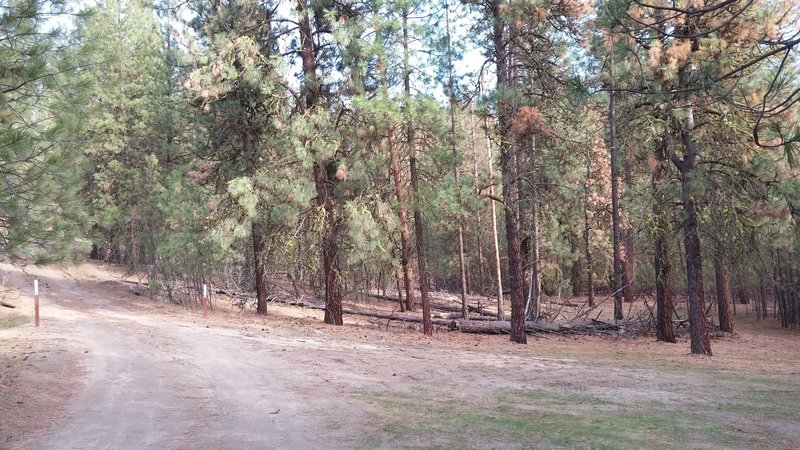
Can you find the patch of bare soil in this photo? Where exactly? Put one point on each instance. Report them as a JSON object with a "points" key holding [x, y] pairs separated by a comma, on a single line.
{"points": [[39, 367], [39, 374]]}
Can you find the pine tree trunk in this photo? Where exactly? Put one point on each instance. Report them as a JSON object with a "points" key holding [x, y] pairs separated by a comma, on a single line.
{"points": [[405, 237], [535, 289], [776, 290], [495, 239], [791, 294], [628, 237], [587, 229], [456, 172], [575, 271], [398, 275], [509, 167], [589, 259], [330, 245], [616, 279], [462, 261], [260, 268], [723, 291], [479, 215], [663, 268], [427, 325], [700, 342], [322, 180], [664, 295], [762, 294]]}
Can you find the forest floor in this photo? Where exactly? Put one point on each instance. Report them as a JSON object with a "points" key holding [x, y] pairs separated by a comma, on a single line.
{"points": [[110, 369]]}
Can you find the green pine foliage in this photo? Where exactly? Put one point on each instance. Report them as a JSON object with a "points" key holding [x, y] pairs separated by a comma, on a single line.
{"points": [[40, 215]]}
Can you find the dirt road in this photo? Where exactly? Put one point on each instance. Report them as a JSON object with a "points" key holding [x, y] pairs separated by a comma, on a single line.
{"points": [[108, 369], [155, 381]]}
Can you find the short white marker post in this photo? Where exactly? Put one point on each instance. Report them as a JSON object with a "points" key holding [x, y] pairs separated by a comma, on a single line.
{"points": [[205, 300], [36, 302]]}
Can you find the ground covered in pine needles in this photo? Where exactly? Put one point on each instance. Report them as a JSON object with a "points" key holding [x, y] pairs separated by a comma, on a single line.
{"points": [[236, 380]]}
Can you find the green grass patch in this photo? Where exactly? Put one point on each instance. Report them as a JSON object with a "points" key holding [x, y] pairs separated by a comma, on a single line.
{"points": [[773, 399], [542, 419], [13, 320]]}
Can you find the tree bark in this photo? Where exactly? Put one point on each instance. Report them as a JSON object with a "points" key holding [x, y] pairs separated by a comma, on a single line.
{"points": [[495, 239], [723, 290], [456, 172], [510, 177], [402, 213], [616, 279], [427, 326], [587, 229], [663, 267], [664, 293], [323, 182], [535, 288], [577, 326], [629, 236], [330, 245], [479, 214], [398, 275], [308, 55], [700, 343], [260, 268]]}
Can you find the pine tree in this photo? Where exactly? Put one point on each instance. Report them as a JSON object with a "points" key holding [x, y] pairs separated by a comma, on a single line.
{"points": [[244, 110], [694, 58], [39, 118], [125, 154]]}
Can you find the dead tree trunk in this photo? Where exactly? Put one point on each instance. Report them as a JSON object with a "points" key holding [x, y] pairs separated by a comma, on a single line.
{"points": [[578, 326]]}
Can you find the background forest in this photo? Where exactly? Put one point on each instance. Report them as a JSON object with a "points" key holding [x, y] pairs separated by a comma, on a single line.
{"points": [[519, 150]]}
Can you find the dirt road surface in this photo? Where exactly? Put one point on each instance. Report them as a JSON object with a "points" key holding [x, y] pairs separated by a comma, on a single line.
{"points": [[154, 381], [109, 369]]}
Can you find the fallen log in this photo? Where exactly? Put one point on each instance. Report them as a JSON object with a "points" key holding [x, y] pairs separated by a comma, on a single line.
{"points": [[7, 305], [457, 316], [476, 325], [399, 316], [440, 306], [575, 326], [386, 297], [470, 308]]}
